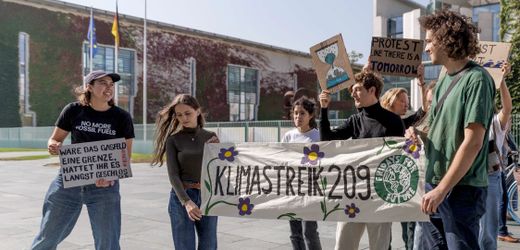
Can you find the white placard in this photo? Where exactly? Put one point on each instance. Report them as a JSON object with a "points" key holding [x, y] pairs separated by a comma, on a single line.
{"points": [[84, 163]]}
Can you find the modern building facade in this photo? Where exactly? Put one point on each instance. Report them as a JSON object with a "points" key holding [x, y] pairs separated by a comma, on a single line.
{"points": [[44, 54], [399, 19]]}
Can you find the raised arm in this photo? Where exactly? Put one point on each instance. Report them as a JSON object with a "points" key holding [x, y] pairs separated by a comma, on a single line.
{"points": [[422, 85], [343, 132], [505, 98]]}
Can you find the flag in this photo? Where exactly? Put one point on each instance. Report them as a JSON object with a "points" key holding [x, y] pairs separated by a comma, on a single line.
{"points": [[115, 28], [91, 35]]}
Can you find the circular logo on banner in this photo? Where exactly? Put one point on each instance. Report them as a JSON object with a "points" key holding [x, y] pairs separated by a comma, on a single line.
{"points": [[396, 179]]}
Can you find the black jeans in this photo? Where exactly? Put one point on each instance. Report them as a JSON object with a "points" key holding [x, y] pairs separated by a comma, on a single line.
{"points": [[309, 229], [502, 228]]}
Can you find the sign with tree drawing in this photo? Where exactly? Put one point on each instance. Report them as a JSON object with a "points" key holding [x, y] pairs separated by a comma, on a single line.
{"points": [[332, 65]]}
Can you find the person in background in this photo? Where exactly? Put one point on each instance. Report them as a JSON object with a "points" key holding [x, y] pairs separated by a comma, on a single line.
{"points": [[62, 207], [303, 115], [371, 121], [503, 231], [489, 222], [180, 137]]}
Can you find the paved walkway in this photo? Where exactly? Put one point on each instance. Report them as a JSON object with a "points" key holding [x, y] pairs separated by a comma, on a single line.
{"points": [[145, 224]]}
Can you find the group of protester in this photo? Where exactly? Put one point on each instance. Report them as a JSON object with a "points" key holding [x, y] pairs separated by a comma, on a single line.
{"points": [[457, 123]]}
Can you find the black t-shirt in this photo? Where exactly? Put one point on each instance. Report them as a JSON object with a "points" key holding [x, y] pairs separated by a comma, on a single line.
{"points": [[87, 124]]}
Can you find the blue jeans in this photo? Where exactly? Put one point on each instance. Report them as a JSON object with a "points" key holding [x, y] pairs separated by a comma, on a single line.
{"points": [[489, 222], [61, 209], [307, 228], [456, 223], [183, 229], [502, 227], [407, 233]]}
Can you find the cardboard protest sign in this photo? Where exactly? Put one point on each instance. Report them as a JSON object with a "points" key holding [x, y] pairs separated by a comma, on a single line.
{"points": [[395, 56], [366, 180], [492, 56], [84, 163], [332, 65]]}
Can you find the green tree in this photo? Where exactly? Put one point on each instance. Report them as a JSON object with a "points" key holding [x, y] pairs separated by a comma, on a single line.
{"points": [[355, 56], [510, 32]]}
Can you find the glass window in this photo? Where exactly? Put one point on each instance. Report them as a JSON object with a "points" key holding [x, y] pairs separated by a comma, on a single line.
{"points": [[104, 60], [396, 82], [436, 5], [242, 93], [23, 70], [395, 27], [494, 9]]}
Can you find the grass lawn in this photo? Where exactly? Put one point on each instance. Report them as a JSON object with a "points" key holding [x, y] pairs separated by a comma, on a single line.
{"points": [[136, 157], [21, 149], [26, 158], [141, 158]]}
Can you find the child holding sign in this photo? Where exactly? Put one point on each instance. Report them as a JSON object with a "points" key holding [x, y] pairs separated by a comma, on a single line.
{"points": [[83, 119], [303, 116], [181, 137]]}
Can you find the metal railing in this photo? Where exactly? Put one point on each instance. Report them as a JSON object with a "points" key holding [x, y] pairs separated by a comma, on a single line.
{"points": [[254, 131], [515, 127]]}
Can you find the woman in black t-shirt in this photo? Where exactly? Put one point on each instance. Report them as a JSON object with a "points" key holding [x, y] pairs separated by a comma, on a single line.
{"points": [[93, 118]]}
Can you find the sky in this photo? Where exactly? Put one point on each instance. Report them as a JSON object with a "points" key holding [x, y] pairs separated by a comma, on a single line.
{"points": [[291, 24]]}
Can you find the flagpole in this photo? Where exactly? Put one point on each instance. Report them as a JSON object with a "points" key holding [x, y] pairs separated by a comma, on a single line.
{"points": [[144, 77], [116, 66], [90, 42]]}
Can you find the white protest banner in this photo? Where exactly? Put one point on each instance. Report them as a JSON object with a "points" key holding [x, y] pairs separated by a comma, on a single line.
{"points": [[396, 56], [366, 180], [492, 56], [84, 163], [332, 65]]}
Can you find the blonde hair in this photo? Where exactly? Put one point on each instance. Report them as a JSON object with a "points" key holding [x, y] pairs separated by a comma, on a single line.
{"points": [[167, 124], [389, 97]]}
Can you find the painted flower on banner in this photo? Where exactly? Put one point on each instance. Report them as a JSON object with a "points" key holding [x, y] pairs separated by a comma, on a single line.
{"points": [[312, 155], [412, 148], [244, 206], [227, 154], [351, 210]]}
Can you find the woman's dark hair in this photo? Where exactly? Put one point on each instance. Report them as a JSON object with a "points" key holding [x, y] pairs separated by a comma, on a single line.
{"points": [[453, 32], [309, 106], [166, 124], [83, 95]]}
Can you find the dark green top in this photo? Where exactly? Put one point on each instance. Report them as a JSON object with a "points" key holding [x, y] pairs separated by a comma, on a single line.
{"points": [[184, 152], [470, 101]]}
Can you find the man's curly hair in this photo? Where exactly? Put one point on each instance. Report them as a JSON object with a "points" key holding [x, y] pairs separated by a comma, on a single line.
{"points": [[453, 32], [369, 80]]}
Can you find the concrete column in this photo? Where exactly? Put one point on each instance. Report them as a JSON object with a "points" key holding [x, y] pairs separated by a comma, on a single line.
{"points": [[412, 30], [485, 24]]}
